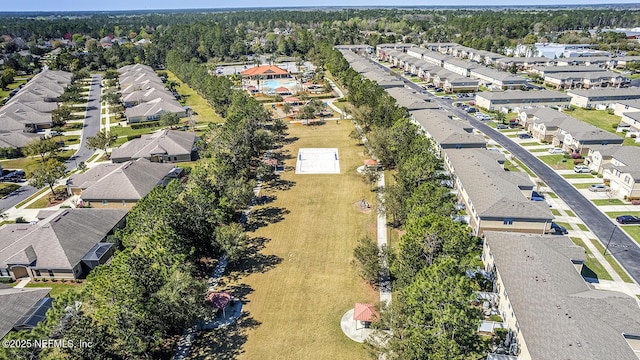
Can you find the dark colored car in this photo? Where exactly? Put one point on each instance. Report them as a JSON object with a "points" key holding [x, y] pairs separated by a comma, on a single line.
{"points": [[524, 136], [535, 196], [628, 219], [558, 230]]}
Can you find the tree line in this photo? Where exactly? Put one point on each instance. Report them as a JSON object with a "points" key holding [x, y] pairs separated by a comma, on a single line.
{"points": [[432, 316]]}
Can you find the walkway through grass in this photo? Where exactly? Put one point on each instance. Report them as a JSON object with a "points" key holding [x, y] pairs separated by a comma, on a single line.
{"points": [[302, 280]]}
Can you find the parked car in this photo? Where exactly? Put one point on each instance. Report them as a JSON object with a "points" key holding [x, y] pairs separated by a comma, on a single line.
{"points": [[581, 169], [555, 150], [628, 219], [55, 133], [536, 196], [501, 126], [558, 230], [598, 187], [524, 136]]}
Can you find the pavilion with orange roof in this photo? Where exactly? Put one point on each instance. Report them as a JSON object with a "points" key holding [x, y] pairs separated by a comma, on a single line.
{"points": [[265, 72]]}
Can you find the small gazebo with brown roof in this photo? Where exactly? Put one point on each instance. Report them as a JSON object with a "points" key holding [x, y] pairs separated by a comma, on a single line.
{"points": [[282, 90], [365, 313]]}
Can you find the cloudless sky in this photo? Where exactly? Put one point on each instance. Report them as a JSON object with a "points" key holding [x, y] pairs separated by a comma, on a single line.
{"points": [[103, 5]]}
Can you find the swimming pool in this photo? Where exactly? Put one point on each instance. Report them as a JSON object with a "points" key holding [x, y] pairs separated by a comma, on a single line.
{"points": [[271, 84]]}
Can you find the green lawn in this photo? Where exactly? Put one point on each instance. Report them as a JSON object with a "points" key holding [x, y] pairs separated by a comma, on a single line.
{"points": [[531, 143], [12, 86], [583, 227], [584, 186], [592, 266], [44, 201], [509, 166], [577, 176], [614, 214], [556, 163], [555, 212], [570, 213], [600, 202], [57, 287], [538, 150], [567, 225], [598, 118], [522, 166], [612, 261], [191, 98], [630, 142], [128, 131], [633, 231], [305, 281], [6, 188], [553, 195], [20, 204]]}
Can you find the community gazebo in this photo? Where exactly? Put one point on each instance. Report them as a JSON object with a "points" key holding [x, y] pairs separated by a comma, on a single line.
{"points": [[265, 72], [366, 314], [218, 300], [282, 90]]}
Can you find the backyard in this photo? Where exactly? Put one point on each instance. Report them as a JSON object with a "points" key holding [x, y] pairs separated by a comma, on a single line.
{"points": [[204, 112], [598, 118], [302, 281]]}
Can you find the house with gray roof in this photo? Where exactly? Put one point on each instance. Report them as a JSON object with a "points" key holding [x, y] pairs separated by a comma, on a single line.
{"points": [[460, 67], [410, 99], [383, 79], [57, 246], [499, 79], [118, 185], [161, 146], [618, 164], [546, 304], [603, 61], [22, 309], [514, 99], [574, 135], [135, 68], [460, 84], [447, 133], [152, 110], [495, 199], [16, 139], [543, 71], [601, 98], [541, 123], [141, 86], [586, 80], [141, 96]]}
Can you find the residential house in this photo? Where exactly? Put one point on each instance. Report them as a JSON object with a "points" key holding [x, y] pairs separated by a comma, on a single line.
{"points": [[117, 185], [460, 84], [435, 58], [460, 67], [586, 80], [382, 49], [601, 98], [161, 146], [141, 96], [152, 110], [495, 199], [631, 122], [418, 52], [383, 79], [16, 139], [514, 99], [498, 79], [604, 61], [22, 309], [66, 245], [523, 63], [620, 166], [543, 71], [547, 306], [542, 123], [574, 135], [411, 100], [623, 61], [446, 132]]}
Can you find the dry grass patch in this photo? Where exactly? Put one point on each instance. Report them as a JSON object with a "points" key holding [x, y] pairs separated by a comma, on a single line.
{"points": [[302, 281]]}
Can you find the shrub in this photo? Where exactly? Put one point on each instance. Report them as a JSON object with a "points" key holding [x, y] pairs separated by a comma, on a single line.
{"points": [[594, 172], [131, 137], [143, 125], [575, 155], [578, 161], [21, 220]]}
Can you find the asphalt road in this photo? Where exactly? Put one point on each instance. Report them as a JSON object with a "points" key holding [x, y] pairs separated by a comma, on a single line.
{"points": [[620, 245], [91, 123], [91, 127]]}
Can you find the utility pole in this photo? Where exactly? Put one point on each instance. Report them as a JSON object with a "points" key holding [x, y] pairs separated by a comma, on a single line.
{"points": [[609, 242]]}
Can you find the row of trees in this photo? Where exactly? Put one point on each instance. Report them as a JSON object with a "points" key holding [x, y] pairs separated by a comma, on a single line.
{"points": [[154, 287], [431, 316]]}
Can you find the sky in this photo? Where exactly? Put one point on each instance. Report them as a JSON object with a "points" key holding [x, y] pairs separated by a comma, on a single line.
{"points": [[105, 5]]}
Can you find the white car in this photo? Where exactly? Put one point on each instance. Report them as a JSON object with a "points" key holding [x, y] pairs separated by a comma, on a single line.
{"points": [[581, 169], [554, 150]]}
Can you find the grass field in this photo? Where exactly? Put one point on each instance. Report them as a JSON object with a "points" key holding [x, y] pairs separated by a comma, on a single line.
{"points": [[570, 213], [7, 188], [612, 261], [57, 288], [593, 266], [598, 118], [584, 186], [614, 214], [633, 231], [18, 81], [582, 227], [191, 98], [43, 201], [555, 212], [600, 202], [522, 166], [578, 176], [553, 195], [531, 143], [303, 280], [556, 163]]}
